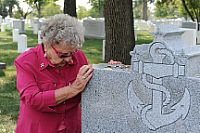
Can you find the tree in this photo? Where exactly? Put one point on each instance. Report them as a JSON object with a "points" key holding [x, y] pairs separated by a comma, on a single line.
{"points": [[70, 7], [3, 10], [82, 12], [10, 5], [93, 13], [192, 7], [166, 8], [137, 9], [97, 6], [145, 17], [47, 10], [38, 5], [119, 30], [21, 13]]}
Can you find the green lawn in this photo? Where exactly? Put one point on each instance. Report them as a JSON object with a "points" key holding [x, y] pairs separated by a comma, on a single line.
{"points": [[9, 99]]}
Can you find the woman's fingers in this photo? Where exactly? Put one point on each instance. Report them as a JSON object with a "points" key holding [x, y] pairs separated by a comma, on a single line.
{"points": [[112, 62], [88, 72], [84, 75], [85, 71]]}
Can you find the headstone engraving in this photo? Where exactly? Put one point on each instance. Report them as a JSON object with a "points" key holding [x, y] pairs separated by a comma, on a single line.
{"points": [[152, 114]]}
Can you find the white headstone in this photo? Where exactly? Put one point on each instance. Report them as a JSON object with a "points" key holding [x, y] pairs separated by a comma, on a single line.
{"points": [[39, 37], [171, 35], [35, 28], [198, 37], [15, 35], [1, 19], [3, 27], [189, 36], [22, 43], [135, 33]]}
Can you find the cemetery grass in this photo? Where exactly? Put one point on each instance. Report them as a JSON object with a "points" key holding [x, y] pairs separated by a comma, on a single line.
{"points": [[9, 98]]}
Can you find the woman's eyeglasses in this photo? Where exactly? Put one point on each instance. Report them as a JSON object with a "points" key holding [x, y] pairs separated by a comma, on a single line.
{"points": [[64, 55]]}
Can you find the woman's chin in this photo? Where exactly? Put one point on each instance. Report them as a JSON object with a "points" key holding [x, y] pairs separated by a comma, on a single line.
{"points": [[60, 64]]}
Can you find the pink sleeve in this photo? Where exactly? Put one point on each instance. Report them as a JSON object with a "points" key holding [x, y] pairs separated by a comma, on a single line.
{"points": [[29, 92]]}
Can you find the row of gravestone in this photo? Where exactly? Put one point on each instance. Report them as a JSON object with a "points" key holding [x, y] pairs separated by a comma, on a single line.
{"points": [[18, 30], [158, 93], [21, 40], [95, 28], [10, 23]]}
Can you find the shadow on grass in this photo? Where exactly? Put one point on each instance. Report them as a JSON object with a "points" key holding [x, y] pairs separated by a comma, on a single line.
{"points": [[8, 58], [9, 101], [2, 73]]}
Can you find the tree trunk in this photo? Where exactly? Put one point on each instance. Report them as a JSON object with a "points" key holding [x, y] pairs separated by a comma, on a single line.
{"points": [[70, 7], [119, 30], [38, 7], [145, 17], [39, 11], [10, 11]]}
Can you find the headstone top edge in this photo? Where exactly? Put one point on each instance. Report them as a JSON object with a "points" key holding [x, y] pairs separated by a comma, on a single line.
{"points": [[113, 68]]}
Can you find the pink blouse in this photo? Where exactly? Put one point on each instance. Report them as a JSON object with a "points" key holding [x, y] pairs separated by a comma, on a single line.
{"points": [[37, 80]]}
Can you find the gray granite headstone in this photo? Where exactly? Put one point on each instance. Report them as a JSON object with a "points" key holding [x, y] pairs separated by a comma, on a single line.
{"points": [[105, 104], [94, 28], [37, 25], [190, 25], [19, 24], [158, 94]]}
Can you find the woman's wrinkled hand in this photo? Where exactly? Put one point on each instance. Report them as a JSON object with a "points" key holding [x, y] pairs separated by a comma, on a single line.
{"points": [[83, 77]]}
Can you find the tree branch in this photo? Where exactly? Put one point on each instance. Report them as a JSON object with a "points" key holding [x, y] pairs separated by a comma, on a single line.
{"points": [[187, 10]]}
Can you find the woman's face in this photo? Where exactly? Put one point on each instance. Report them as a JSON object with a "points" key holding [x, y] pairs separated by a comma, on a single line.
{"points": [[60, 54]]}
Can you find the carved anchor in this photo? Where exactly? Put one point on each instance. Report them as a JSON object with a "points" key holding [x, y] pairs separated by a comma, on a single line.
{"points": [[152, 115]]}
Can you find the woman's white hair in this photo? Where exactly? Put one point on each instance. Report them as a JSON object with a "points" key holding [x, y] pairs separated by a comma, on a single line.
{"points": [[63, 27]]}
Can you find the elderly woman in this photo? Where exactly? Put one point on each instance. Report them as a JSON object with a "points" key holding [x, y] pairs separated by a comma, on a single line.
{"points": [[50, 78]]}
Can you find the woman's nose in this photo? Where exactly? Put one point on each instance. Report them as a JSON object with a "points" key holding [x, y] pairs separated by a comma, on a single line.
{"points": [[68, 59]]}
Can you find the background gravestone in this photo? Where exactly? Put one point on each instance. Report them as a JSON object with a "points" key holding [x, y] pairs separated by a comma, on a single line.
{"points": [[94, 28], [19, 24]]}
